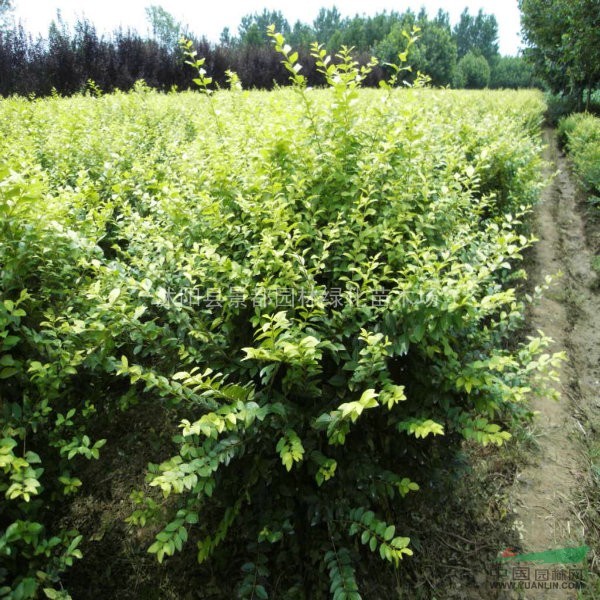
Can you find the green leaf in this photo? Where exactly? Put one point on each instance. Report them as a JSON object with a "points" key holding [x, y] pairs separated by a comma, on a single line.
{"points": [[8, 372], [113, 295], [260, 592]]}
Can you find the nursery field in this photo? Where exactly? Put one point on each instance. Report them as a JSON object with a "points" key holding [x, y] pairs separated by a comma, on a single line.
{"points": [[241, 333]]}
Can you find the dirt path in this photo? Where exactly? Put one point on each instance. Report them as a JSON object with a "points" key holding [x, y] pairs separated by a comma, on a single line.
{"points": [[545, 490]]}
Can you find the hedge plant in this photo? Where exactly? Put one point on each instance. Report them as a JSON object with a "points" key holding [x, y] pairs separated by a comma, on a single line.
{"points": [[322, 288]]}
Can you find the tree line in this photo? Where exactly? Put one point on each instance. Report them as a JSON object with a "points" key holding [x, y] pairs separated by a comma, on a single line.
{"points": [[68, 59]]}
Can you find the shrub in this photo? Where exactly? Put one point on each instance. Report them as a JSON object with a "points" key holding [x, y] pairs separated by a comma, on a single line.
{"points": [[559, 106], [512, 72], [472, 72], [580, 133], [318, 287]]}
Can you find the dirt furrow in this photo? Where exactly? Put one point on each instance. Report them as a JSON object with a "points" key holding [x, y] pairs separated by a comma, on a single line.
{"points": [[545, 490]]}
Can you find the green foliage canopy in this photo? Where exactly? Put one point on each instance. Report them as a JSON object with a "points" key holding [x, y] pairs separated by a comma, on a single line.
{"points": [[564, 43], [477, 34], [512, 72], [165, 27], [5, 9], [472, 72], [151, 245]]}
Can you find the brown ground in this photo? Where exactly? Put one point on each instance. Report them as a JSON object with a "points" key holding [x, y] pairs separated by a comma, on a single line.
{"points": [[546, 490]]}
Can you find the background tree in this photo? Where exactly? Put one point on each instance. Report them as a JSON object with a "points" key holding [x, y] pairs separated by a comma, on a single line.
{"points": [[226, 39], [61, 64], [387, 48], [564, 43], [252, 30], [472, 72], [351, 34], [5, 10], [379, 26], [478, 34], [435, 53], [68, 58], [328, 23], [301, 36], [513, 72], [165, 28]]}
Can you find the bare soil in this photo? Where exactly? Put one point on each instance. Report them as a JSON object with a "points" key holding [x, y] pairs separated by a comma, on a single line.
{"points": [[547, 488]]}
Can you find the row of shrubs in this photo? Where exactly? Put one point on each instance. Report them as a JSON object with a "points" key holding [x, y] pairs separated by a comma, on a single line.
{"points": [[580, 134], [295, 306]]}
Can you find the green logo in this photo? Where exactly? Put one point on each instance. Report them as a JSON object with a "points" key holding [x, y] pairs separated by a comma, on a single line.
{"points": [[561, 555]]}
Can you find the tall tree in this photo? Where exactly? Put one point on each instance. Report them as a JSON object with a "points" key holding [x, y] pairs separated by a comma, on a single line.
{"points": [[472, 72], [513, 72], [328, 23], [226, 39], [252, 30], [302, 35], [435, 53], [379, 26], [5, 10], [442, 19], [387, 49], [564, 43], [477, 34], [354, 33], [165, 28]]}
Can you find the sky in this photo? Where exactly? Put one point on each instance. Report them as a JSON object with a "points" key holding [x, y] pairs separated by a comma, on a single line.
{"points": [[208, 18]]}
